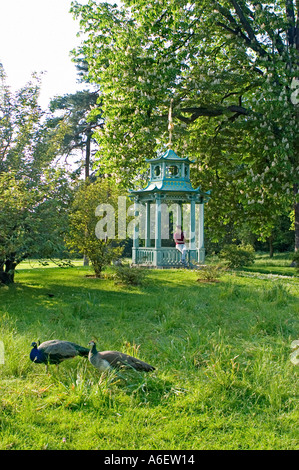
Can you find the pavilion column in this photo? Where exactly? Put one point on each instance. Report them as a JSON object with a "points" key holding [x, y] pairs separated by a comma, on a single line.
{"points": [[201, 247], [135, 232], [157, 251], [192, 225], [179, 214], [148, 224], [158, 222]]}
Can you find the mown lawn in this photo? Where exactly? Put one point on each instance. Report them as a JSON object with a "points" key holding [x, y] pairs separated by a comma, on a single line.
{"points": [[223, 378]]}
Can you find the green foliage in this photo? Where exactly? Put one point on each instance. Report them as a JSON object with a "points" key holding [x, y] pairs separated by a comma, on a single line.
{"points": [[20, 136], [83, 220], [34, 193], [129, 276], [229, 68], [210, 272], [74, 124], [28, 144], [32, 219], [237, 256]]}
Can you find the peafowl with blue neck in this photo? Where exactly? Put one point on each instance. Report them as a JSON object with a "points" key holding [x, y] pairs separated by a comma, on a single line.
{"points": [[55, 351]]}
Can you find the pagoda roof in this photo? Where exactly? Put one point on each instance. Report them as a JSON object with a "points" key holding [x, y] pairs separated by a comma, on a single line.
{"points": [[168, 186], [169, 155]]}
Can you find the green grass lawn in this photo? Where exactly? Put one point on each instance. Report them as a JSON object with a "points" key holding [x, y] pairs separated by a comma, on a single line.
{"points": [[223, 378], [280, 264]]}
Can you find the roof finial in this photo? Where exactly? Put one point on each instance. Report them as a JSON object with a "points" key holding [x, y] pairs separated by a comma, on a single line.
{"points": [[170, 124]]}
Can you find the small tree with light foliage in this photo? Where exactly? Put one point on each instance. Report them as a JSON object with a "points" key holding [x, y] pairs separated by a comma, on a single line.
{"points": [[82, 235]]}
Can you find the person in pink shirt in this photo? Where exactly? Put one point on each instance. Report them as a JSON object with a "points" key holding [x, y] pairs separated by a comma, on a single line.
{"points": [[179, 239]]}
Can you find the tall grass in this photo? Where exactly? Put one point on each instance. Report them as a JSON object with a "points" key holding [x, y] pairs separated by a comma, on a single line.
{"points": [[223, 377]]}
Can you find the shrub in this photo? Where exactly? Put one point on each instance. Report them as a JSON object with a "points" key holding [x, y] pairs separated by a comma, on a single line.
{"points": [[210, 272], [237, 256], [129, 276]]}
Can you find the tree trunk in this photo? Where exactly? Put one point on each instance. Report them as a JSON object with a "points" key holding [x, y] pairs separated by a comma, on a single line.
{"points": [[7, 272], [88, 134], [271, 250]]}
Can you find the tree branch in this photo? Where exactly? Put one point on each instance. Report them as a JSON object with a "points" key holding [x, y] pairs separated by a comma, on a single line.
{"points": [[235, 28], [244, 20], [210, 111]]}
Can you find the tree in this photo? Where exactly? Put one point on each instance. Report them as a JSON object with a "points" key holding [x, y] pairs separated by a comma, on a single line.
{"points": [[78, 118], [76, 123], [32, 220], [83, 219], [230, 67], [21, 129], [34, 196]]}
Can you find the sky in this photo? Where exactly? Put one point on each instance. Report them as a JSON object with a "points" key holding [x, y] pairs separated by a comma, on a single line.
{"points": [[37, 36]]}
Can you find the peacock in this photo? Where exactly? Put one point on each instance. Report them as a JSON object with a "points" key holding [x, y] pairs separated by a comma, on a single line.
{"points": [[106, 360], [55, 351]]}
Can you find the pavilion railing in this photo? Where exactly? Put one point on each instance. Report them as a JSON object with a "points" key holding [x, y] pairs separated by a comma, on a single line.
{"points": [[165, 256], [144, 256]]}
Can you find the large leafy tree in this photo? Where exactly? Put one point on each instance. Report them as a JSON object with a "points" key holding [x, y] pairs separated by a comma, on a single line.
{"points": [[231, 68], [34, 195], [32, 219]]}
